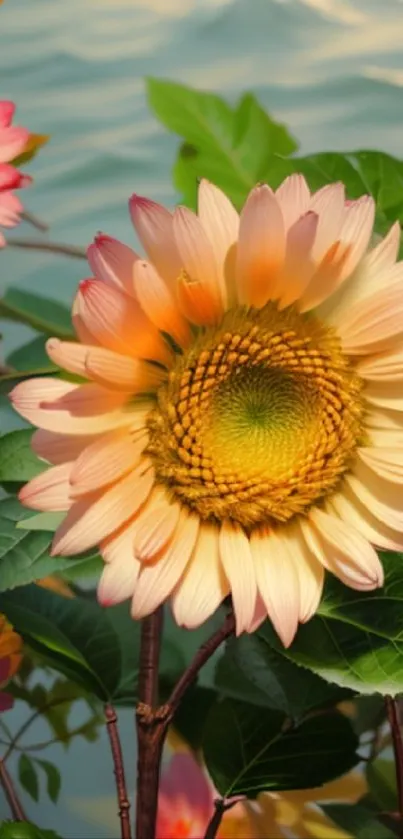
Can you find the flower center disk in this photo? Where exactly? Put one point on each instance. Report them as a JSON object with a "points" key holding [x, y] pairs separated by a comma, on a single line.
{"points": [[259, 419]]}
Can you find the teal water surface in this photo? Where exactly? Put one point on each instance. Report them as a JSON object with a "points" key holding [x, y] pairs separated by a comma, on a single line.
{"points": [[331, 69]]}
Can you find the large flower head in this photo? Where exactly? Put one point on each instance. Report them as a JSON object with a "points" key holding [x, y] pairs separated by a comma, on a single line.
{"points": [[13, 141], [10, 659], [237, 427]]}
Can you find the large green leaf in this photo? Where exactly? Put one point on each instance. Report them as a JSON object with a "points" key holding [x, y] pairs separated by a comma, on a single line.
{"points": [[356, 639], [17, 460], [74, 636], [253, 671], [42, 314], [25, 830], [32, 358], [381, 777], [24, 554], [248, 750], [229, 146]]}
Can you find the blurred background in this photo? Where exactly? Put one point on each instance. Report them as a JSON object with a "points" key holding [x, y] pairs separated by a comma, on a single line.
{"points": [[331, 69]]}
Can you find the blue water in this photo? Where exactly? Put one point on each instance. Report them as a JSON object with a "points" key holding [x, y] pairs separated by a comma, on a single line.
{"points": [[331, 69]]}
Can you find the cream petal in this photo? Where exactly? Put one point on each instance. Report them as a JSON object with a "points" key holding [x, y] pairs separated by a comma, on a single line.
{"points": [[78, 318], [220, 221], [310, 573], [374, 319], [154, 227], [329, 204], [49, 491], [382, 367], [387, 463], [298, 266], [239, 569], [278, 582], [197, 254], [368, 278], [58, 448], [159, 303], [56, 405], [118, 581], [293, 197], [203, 585], [119, 545], [387, 394], [382, 498], [157, 579], [343, 550], [155, 530], [356, 231], [112, 262], [383, 419], [118, 322], [259, 615], [91, 520], [350, 509], [261, 247], [105, 366], [106, 460]]}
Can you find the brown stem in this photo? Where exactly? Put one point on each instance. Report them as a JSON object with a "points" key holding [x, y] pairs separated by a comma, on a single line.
{"points": [[152, 722], [150, 735], [119, 770], [35, 221], [221, 805], [392, 709], [54, 247], [11, 795]]}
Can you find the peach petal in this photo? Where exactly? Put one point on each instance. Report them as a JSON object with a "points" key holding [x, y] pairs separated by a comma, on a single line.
{"points": [[238, 566], [382, 367], [293, 197], [105, 366], [381, 497], [118, 322], [159, 304], [56, 405], [49, 491], [155, 530], [374, 319], [261, 247], [220, 221], [154, 227], [259, 615], [329, 204], [385, 394], [58, 448], [203, 585], [112, 262], [196, 302], [157, 580], [197, 254], [298, 266], [118, 580], [278, 582], [106, 460], [119, 544], [78, 316], [310, 573], [350, 509], [356, 231], [93, 519], [343, 550]]}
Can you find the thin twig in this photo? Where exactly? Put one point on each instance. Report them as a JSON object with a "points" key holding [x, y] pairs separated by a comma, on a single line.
{"points": [[392, 709], [221, 805], [16, 807], [54, 247], [35, 221], [119, 770], [202, 656], [39, 711]]}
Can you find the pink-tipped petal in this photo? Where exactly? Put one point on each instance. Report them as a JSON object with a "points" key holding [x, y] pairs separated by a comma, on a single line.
{"points": [[239, 569], [13, 141], [261, 247], [157, 579], [220, 221], [118, 580], [197, 254], [278, 582], [153, 224], [329, 205], [49, 491], [58, 448], [298, 266], [10, 209], [158, 302], [112, 262], [203, 585], [293, 197], [93, 519], [7, 110]]}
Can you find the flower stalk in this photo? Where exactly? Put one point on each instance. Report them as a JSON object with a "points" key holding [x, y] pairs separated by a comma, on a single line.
{"points": [[118, 765]]}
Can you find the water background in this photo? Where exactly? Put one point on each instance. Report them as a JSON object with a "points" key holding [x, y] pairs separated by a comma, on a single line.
{"points": [[331, 69]]}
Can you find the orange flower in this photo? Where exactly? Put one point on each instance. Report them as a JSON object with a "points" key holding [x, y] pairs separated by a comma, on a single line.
{"points": [[239, 426], [10, 659]]}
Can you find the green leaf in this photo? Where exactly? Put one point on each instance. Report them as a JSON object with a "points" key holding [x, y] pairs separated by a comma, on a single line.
{"points": [[229, 146], [356, 638], [24, 554], [32, 358], [357, 821], [74, 636], [55, 705], [42, 314], [17, 460], [53, 779], [251, 670], [34, 143], [25, 830], [128, 634], [190, 719], [27, 776], [381, 777], [49, 522], [247, 751]]}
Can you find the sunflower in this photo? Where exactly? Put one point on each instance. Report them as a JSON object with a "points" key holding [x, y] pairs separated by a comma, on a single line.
{"points": [[237, 426]]}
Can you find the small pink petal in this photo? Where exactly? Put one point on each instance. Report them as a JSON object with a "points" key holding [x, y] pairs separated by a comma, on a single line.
{"points": [[154, 226], [112, 261]]}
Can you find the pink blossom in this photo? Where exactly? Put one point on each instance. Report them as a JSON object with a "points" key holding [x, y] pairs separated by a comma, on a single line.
{"points": [[13, 141]]}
